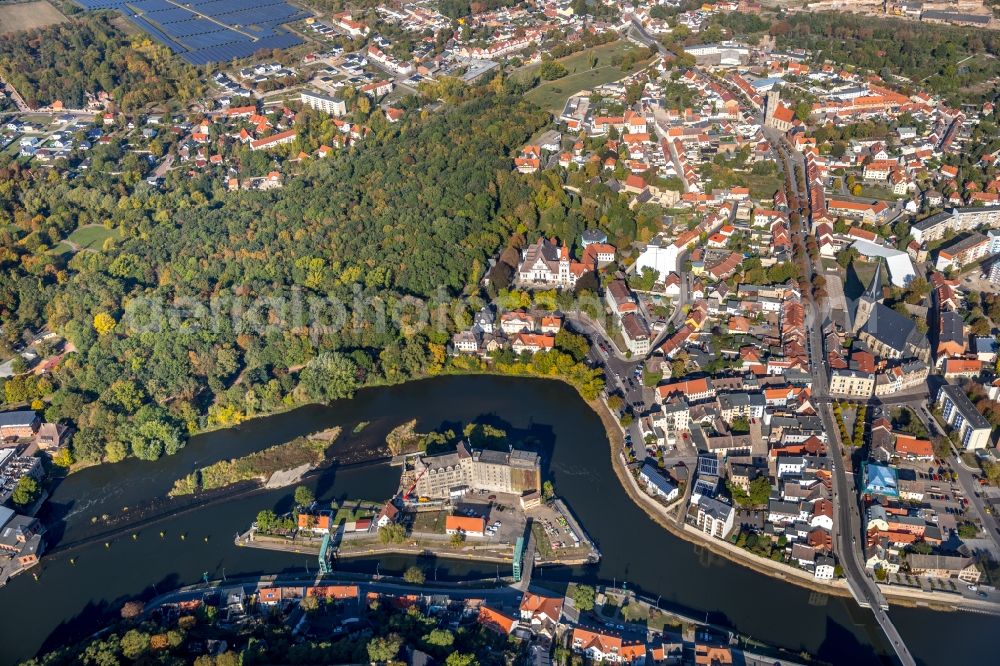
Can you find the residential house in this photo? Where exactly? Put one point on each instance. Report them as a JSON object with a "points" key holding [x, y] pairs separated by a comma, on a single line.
{"points": [[600, 644]]}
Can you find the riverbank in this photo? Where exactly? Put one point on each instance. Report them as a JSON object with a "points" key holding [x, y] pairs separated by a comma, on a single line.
{"points": [[77, 592], [900, 596], [276, 466], [661, 516]]}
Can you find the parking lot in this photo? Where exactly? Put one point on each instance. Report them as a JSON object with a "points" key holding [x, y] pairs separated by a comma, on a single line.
{"points": [[505, 521]]}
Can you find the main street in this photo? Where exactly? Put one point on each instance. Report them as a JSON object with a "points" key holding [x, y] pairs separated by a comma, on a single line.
{"points": [[844, 495]]}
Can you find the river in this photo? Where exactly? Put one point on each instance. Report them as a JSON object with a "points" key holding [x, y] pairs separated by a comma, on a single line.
{"points": [[70, 599]]}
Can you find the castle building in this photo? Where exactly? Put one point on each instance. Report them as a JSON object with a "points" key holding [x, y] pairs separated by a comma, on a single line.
{"points": [[546, 264], [465, 469]]}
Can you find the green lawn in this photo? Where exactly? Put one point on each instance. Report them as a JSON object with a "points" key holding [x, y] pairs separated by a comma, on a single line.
{"points": [[864, 271], [552, 95], [62, 248], [580, 61], [763, 187], [347, 515], [91, 236], [14, 148], [874, 192]]}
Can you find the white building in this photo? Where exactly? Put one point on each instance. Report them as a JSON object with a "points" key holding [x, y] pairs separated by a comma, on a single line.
{"points": [[715, 518], [324, 103]]}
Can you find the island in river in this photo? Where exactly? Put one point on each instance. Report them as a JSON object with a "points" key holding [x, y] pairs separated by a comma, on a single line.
{"points": [[81, 582]]}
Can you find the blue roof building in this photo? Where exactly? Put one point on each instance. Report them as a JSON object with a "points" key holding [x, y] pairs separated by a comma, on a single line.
{"points": [[881, 480], [657, 483]]}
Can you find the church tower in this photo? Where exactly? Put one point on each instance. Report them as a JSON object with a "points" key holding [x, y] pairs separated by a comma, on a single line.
{"points": [[866, 303], [771, 101]]}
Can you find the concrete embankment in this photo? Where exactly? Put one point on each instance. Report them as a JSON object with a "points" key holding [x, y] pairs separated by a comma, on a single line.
{"points": [[900, 596], [312, 547]]}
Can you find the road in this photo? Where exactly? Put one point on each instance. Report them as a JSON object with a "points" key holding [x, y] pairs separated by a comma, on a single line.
{"points": [[966, 478], [677, 316], [163, 167], [639, 32], [849, 527], [504, 594], [619, 372], [22, 106]]}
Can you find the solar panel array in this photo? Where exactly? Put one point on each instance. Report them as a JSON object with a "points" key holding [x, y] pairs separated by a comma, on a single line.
{"points": [[207, 31]]}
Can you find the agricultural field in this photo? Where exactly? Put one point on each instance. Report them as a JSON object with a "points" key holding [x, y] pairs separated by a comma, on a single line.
{"points": [[15, 16]]}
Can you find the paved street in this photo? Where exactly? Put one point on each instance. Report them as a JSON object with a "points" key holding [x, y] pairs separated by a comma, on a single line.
{"points": [[844, 496], [966, 479], [497, 594]]}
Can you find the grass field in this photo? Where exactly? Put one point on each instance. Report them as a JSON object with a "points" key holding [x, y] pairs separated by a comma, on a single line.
{"points": [[351, 515], [762, 187], [429, 522], [28, 16], [552, 95], [580, 61], [90, 237]]}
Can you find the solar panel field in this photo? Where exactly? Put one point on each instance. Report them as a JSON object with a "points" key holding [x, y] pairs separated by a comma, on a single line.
{"points": [[208, 31]]}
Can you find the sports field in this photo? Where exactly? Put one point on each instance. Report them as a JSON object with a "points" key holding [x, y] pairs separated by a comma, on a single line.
{"points": [[28, 16]]}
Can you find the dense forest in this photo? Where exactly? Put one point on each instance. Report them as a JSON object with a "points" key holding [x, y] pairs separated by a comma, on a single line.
{"points": [[210, 307], [89, 54], [934, 57]]}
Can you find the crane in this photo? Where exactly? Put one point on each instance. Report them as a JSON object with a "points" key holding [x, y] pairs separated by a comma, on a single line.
{"points": [[408, 495]]}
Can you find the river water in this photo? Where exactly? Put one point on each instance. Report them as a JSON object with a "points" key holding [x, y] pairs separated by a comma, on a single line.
{"points": [[78, 588]]}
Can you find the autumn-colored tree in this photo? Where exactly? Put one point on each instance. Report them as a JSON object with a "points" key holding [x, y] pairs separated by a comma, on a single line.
{"points": [[104, 323], [132, 609]]}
